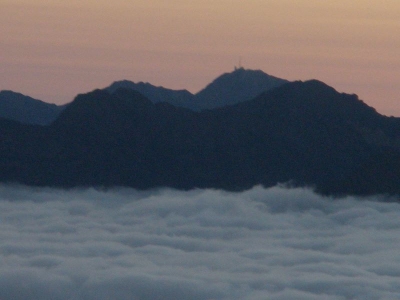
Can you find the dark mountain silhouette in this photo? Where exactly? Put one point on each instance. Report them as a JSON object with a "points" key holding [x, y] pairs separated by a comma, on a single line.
{"points": [[302, 133], [230, 88], [24, 109]]}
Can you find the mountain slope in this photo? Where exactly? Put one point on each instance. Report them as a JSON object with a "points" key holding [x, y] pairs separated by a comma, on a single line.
{"points": [[24, 109], [328, 140]]}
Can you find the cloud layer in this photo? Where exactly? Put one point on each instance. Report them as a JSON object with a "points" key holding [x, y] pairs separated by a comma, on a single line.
{"points": [[205, 244]]}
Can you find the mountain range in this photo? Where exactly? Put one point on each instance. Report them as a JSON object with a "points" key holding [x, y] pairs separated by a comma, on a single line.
{"points": [[227, 89], [297, 133]]}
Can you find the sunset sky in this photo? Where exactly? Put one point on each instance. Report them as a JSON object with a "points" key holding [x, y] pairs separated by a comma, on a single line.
{"points": [[52, 49]]}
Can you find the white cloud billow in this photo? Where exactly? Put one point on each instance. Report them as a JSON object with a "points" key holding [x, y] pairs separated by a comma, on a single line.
{"points": [[260, 244]]}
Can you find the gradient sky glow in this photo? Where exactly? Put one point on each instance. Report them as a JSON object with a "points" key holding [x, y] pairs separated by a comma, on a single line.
{"points": [[53, 49]]}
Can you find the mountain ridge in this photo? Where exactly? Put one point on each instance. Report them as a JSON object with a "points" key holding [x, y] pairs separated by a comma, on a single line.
{"points": [[301, 133], [25, 109], [227, 89]]}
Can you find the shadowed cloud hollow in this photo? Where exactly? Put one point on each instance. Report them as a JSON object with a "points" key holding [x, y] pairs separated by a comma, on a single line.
{"points": [[203, 244]]}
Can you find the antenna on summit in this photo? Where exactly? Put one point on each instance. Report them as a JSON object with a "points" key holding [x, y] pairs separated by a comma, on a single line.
{"points": [[240, 64]]}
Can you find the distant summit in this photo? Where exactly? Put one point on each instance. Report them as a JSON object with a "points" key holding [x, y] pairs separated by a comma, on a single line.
{"points": [[235, 87], [230, 88]]}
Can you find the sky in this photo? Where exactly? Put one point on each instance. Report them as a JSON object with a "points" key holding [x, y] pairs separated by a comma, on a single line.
{"points": [[202, 245], [52, 49]]}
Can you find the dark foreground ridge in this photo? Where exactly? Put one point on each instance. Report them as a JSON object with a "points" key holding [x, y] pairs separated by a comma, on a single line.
{"points": [[302, 133]]}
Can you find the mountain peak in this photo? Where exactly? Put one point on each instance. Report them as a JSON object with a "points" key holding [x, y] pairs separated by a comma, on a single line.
{"points": [[237, 86]]}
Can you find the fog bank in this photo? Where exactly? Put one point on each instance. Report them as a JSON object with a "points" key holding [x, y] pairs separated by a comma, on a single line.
{"points": [[203, 244]]}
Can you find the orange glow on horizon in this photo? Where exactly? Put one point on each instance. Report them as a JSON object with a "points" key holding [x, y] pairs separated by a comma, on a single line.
{"points": [[53, 50]]}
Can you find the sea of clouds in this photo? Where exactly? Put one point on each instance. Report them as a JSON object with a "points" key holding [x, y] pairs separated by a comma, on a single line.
{"points": [[201, 245]]}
